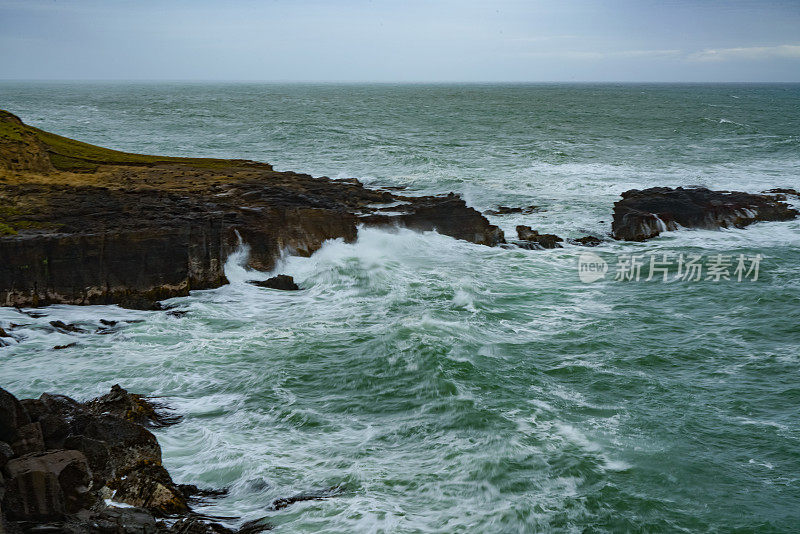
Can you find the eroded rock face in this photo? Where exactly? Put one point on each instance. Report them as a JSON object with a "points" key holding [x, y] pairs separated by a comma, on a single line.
{"points": [[643, 214], [47, 485], [93, 451], [133, 230], [448, 215]]}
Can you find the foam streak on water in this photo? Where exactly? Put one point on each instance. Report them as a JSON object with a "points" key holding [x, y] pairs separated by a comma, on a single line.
{"points": [[446, 386]]}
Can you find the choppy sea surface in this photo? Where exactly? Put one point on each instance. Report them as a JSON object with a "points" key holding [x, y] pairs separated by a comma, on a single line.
{"points": [[451, 387]]}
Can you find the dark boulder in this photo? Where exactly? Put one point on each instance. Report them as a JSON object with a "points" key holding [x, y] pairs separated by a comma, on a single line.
{"points": [[282, 281], [96, 452], [149, 486], [29, 440], [643, 214], [47, 485], [97, 456], [12, 416], [533, 240], [6, 453]]}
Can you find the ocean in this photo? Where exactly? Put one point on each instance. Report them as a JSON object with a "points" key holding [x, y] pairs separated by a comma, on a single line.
{"points": [[444, 386]]}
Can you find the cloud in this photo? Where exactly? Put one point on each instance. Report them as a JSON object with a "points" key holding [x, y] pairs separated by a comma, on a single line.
{"points": [[750, 53]]}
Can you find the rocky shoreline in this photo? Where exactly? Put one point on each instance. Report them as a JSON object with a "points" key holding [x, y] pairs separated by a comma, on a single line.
{"points": [[94, 467], [81, 224]]}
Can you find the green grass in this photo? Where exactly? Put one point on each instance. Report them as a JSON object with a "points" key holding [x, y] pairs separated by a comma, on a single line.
{"points": [[76, 156], [5, 229]]}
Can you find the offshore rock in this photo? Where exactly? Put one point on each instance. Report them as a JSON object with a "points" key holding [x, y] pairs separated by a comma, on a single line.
{"points": [[81, 224], [533, 240], [507, 210], [282, 282], [586, 241], [643, 214]]}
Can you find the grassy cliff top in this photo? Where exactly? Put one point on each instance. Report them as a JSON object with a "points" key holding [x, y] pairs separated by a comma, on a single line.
{"points": [[75, 156]]}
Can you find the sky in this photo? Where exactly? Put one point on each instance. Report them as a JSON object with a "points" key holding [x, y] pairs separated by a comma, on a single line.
{"points": [[402, 41]]}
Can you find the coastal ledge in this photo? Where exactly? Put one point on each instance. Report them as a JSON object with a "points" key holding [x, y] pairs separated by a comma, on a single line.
{"points": [[81, 224]]}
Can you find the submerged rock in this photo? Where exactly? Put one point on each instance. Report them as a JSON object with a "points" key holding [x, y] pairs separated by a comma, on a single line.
{"points": [[282, 281], [64, 327], [506, 210], [643, 214], [783, 191], [586, 241], [280, 504], [533, 240]]}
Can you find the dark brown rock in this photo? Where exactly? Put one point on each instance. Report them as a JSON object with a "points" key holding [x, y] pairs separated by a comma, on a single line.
{"points": [[29, 440], [104, 453], [191, 525], [149, 486], [534, 240], [506, 210], [282, 282], [644, 214], [12, 416], [783, 191], [448, 215], [132, 407], [6, 453], [586, 241], [64, 327], [46, 485], [97, 456], [280, 504]]}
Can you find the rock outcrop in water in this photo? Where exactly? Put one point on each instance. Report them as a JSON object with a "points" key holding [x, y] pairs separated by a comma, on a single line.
{"points": [[81, 224], [643, 214], [282, 282], [533, 240], [92, 467]]}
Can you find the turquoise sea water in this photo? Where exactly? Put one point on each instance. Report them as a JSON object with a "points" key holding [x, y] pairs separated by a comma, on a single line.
{"points": [[446, 386]]}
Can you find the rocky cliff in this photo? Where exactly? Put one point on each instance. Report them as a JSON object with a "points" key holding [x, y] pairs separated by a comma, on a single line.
{"points": [[94, 467], [81, 224]]}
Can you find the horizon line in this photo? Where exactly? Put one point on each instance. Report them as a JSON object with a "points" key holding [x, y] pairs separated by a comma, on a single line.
{"points": [[388, 82]]}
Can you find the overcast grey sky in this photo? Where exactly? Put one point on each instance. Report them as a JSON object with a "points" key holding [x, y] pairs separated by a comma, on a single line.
{"points": [[362, 40]]}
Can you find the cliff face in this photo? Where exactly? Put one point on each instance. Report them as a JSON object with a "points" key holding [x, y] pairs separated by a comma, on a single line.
{"points": [[81, 224]]}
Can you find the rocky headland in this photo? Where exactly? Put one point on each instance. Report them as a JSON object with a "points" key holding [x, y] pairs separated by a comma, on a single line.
{"points": [[81, 224]]}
